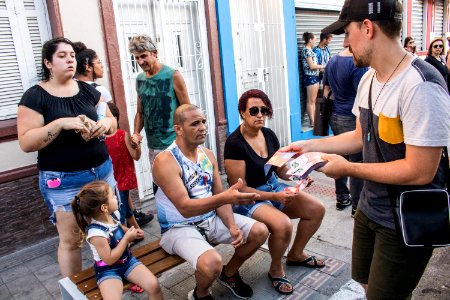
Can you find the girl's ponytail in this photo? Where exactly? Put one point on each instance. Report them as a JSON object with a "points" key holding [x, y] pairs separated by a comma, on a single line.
{"points": [[81, 221]]}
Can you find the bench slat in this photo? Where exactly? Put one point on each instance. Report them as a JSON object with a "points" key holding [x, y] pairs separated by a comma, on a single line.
{"points": [[146, 249]]}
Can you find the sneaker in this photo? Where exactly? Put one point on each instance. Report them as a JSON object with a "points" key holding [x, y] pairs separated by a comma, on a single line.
{"points": [[142, 218], [353, 212], [235, 284], [192, 295], [342, 201]]}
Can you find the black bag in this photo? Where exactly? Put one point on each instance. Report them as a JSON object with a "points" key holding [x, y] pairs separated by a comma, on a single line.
{"points": [[324, 107], [422, 216]]}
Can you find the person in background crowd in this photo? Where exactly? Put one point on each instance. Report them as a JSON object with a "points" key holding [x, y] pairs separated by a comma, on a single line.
{"points": [[48, 122], [435, 57], [342, 79], [160, 91], [323, 52], [311, 74], [247, 150], [410, 45], [409, 120], [194, 211], [90, 68], [122, 155]]}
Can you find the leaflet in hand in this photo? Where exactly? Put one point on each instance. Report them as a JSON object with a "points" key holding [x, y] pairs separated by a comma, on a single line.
{"points": [[299, 168], [303, 165], [278, 160]]}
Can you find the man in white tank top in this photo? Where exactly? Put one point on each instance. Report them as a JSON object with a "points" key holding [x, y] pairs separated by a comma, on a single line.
{"points": [[194, 211]]}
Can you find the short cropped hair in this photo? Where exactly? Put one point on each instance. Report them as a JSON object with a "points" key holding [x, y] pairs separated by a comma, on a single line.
{"points": [[179, 114], [325, 36]]}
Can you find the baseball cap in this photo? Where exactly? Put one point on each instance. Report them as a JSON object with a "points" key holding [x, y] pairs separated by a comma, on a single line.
{"points": [[359, 10]]}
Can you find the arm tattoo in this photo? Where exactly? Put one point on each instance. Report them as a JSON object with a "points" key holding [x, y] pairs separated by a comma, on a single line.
{"points": [[50, 136]]}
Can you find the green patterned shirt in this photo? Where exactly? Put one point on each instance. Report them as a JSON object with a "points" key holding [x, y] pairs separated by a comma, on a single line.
{"points": [[159, 102]]}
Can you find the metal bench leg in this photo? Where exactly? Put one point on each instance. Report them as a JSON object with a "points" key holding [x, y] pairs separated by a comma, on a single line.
{"points": [[69, 290]]}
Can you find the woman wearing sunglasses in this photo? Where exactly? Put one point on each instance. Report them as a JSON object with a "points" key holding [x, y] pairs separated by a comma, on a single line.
{"points": [[435, 57], [247, 150]]}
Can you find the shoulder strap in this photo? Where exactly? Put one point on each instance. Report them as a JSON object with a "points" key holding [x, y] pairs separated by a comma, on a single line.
{"points": [[95, 84], [98, 226], [391, 190]]}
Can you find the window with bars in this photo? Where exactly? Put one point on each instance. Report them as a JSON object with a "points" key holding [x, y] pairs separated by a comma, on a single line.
{"points": [[24, 26]]}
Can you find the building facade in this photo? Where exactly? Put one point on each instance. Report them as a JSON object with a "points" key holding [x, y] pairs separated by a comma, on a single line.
{"points": [[222, 48]]}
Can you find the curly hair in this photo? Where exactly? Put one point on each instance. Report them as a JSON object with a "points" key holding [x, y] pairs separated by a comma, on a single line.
{"points": [[254, 93]]}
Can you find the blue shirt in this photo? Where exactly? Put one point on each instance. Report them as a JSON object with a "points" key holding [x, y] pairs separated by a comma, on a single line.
{"points": [[343, 77], [323, 55]]}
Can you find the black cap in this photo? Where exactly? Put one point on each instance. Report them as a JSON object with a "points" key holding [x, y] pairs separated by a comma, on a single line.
{"points": [[359, 10]]}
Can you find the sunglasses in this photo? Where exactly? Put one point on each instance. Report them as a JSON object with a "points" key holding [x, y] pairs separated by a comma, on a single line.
{"points": [[438, 46], [254, 111]]}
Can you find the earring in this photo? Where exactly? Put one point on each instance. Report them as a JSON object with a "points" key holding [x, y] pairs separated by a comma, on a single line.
{"points": [[51, 74]]}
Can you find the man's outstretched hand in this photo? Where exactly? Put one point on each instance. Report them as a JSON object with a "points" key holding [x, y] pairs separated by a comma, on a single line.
{"points": [[239, 198]]}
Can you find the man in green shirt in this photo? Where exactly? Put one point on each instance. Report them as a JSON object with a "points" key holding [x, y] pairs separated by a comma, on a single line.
{"points": [[160, 91]]}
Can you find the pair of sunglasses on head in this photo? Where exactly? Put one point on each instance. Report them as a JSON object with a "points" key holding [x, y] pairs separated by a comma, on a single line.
{"points": [[254, 111]]}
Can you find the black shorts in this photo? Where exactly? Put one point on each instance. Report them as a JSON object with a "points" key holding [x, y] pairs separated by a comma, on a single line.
{"points": [[381, 260]]}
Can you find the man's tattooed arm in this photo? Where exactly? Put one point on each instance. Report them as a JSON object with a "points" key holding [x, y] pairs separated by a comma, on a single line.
{"points": [[50, 136]]}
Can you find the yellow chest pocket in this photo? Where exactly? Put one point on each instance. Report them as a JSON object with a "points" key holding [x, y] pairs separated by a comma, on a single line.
{"points": [[390, 129]]}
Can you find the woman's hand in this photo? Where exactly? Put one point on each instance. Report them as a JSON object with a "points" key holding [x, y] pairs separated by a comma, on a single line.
{"points": [[101, 127], [284, 197], [74, 123]]}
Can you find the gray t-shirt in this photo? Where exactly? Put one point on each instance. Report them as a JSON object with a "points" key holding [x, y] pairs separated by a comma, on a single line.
{"points": [[413, 109]]}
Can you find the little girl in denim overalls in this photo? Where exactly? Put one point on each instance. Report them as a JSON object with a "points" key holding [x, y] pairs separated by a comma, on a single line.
{"points": [[96, 212]]}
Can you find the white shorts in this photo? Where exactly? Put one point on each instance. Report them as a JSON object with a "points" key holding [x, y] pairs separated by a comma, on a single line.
{"points": [[187, 242]]}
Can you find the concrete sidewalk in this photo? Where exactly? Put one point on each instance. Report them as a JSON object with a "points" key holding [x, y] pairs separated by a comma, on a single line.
{"points": [[33, 273]]}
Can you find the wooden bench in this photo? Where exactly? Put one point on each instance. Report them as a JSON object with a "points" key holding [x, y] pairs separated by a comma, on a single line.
{"points": [[83, 285]]}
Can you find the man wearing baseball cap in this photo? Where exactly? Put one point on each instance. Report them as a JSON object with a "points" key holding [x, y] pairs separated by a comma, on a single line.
{"points": [[402, 105]]}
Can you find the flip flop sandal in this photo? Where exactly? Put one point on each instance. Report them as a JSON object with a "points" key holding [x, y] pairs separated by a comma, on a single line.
{"points": [[306, 263], [136, 289], [280, 282]]}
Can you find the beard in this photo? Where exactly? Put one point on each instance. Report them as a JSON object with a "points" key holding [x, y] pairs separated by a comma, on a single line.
{"points": [[363, 60]]}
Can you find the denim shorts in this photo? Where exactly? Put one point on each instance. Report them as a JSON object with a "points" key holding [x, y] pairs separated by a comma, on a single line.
{"points": [[59, 188], [118, 271], [272, 185], [310, 80]]}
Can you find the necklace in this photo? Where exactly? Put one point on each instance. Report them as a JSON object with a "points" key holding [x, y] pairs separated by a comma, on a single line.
{"points": [[370, 119]]}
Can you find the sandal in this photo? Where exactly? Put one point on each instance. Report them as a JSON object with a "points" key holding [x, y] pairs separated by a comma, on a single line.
{"points": [[136, 289], [306, 263], [280, 281]]}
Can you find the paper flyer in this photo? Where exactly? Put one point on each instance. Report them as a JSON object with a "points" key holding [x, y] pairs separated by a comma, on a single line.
{"points": [[299, 168]]}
